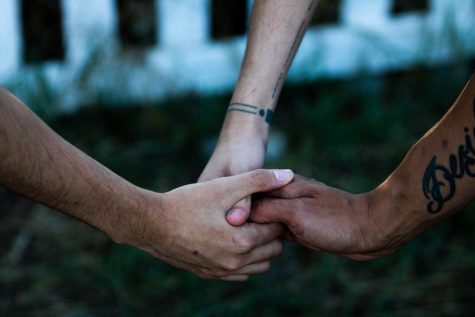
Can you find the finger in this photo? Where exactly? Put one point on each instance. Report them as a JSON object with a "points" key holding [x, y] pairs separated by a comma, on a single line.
{"points": [[260, 234], [239, 186], [299, 187], [235, 278], [272, 210], [265, 252], [239, 213], [255, 268]]}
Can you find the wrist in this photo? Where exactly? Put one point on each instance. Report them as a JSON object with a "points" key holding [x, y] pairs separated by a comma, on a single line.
{"points": [[136, 214], [241, 126], [397, 214]]}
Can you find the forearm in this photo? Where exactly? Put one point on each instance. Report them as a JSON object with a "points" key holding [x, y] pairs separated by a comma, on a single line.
{"points": [[40, 165], [276, 31], [435, 179], [183, 227], [437, 176]]}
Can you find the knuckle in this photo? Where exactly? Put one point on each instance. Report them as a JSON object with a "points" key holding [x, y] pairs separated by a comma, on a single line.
{"points": [[296, 221], [276, 249], [265, 267], [243, 243], [231, 264], [295, 214], [260, 178], [279, 248]]}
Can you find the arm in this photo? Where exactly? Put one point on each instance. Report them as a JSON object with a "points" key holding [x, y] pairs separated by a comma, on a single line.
{"points": [[39, 164], [435, 179], [276, 30]]}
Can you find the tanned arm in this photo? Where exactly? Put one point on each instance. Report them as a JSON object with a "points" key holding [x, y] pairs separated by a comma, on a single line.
{"points": [[435, 179]]}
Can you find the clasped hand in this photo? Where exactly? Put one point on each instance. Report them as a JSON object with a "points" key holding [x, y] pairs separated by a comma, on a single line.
{"points": [[322, 218]]}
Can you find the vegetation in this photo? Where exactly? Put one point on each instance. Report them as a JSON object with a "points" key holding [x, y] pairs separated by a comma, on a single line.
{"points": [[349, 134]]}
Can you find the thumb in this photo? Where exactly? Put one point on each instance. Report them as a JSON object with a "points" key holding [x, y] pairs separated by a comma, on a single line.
{"points": [[239, 213], [239, 186]]}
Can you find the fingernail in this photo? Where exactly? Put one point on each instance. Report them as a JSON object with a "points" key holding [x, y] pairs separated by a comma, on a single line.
{"points": [[234, 212], [236, 217], [283, 176]]}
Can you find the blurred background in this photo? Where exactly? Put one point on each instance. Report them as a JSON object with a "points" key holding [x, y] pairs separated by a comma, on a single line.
{"points": [[142, 86]]}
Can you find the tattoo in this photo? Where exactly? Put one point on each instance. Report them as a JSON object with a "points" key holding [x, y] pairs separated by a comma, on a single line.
{"points": [[294, 43], [439, 182], [433, 186], [310, 7], [277, 85], [266, 114], [290, 55]]}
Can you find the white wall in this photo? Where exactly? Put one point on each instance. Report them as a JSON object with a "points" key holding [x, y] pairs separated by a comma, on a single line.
{"points": [[185, 60]]}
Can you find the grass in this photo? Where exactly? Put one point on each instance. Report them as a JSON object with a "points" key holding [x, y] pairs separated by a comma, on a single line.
{"points": [[350, 134]]}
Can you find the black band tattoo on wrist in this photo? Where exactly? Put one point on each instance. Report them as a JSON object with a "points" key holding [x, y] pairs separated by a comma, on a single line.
{"points": [[439, 182], [266, 114]]}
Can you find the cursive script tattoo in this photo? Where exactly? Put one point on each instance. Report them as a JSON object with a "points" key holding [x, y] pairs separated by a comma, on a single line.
{"points": [[266, 114], [439, 182]]}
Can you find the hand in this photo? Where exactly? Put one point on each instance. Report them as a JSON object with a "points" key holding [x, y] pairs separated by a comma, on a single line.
{"points": [[323, 218], [186, 227], [239, 150]]}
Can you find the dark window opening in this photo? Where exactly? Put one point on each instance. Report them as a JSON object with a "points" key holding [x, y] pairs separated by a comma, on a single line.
{"points": [[42, 30], [137, 23], [327, 12], [228, 18], [407, 6]]}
